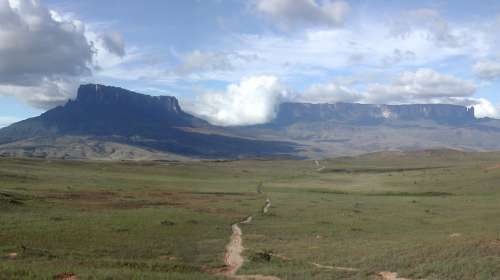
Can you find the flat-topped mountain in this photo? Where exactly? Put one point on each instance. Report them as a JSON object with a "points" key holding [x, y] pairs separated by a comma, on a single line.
{"points": [[121, 99], [344, 129], [104, 110], [363, 114]]}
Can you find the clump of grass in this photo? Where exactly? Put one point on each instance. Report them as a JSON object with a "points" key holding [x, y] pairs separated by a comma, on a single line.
{"points": [[167, 223], [7, 198], [262, 256]]}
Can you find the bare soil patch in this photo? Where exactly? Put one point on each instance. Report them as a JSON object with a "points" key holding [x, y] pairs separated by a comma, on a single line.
{"points": [[66, 276], [387, 275]]}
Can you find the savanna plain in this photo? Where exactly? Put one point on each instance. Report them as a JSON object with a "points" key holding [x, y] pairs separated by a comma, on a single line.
{"points": [[416, 215]]}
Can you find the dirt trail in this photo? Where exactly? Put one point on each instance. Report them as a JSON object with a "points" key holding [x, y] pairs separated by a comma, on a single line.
{"points": [[496, 166], [386, 275], [266, 207], [255, 277], [339, 268], [319, 166], [233, 257], [234, 249], [66, 276], [11, 256]]}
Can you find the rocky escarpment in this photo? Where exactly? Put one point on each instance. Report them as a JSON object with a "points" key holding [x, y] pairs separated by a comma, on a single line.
{"points": [[124, 100], [105, 110], [352, 113]]}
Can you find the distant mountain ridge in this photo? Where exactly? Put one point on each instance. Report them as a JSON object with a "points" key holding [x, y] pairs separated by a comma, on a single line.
{"points": [[354, 113], [111, 122]]}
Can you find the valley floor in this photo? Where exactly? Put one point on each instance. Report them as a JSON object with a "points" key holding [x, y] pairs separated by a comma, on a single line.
{"points": [[422, 215]]}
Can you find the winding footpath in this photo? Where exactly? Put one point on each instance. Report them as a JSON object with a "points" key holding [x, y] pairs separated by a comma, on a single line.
{"points": [[234, 260], [386, 275], [319, 166], [233, 257], [339, 268], [266, 207]]}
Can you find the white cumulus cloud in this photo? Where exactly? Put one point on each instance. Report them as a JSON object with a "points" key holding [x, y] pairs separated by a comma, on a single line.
{"points": [[45, 55], [36, 44], [42, 53], [484, 108], [253, 101]]}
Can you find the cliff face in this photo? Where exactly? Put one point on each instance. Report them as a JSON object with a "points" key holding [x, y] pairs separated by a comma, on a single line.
{"points": [[97, 104], [366, 114], [437, 112], [105, 96], [104, 111]]}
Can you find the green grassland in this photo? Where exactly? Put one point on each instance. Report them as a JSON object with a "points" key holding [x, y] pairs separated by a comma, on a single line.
{"points": [[432, 215]]}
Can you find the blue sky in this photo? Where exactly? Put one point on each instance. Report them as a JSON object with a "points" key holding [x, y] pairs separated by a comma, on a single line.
{"points": [[233, 61]]}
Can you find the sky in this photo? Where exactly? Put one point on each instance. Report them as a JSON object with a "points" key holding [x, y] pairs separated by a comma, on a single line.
{"points": [[232, 62]]}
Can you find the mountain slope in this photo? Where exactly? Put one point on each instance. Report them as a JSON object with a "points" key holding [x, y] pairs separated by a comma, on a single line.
{"points": [[101, 110]]}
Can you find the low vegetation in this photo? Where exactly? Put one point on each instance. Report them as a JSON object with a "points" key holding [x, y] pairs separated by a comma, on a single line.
{"points": [[422, 216]]}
